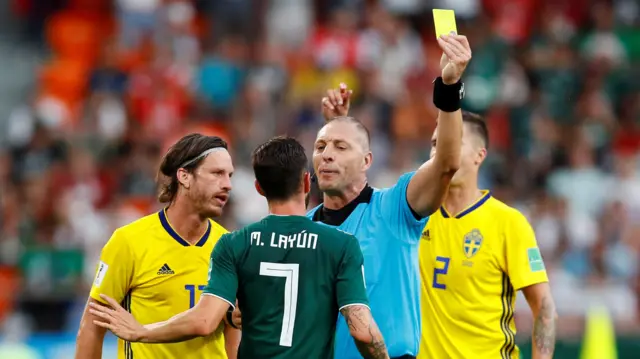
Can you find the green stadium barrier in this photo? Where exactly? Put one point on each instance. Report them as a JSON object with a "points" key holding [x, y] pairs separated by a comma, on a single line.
{"points": [[52, 272]]}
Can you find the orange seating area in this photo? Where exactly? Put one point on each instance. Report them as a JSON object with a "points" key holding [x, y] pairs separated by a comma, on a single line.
{"points": [[75, 37]]}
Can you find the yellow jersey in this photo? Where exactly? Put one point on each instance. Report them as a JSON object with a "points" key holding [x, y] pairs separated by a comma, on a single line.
{"points": [[471, 265], [156, 274]]}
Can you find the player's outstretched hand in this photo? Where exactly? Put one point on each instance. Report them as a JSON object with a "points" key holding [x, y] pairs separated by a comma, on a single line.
{"points": [[455, 57], [116, 319], [336, 103], [237, 318]]}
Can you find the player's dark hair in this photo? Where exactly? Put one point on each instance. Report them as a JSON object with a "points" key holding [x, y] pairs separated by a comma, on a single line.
{"points": [[477, 125], [279, 165], [185, 150], [359, 126]]}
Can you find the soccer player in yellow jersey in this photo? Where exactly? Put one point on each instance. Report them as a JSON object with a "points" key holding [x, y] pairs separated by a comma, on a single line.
{"points": [[157, 266], [475, 253]]}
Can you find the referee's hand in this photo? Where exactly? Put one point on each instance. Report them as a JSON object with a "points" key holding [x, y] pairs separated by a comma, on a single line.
{"points": [[336, 103], [117, 320], [456, 54]]}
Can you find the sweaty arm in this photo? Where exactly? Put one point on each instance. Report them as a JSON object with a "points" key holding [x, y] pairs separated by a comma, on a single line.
{"points": [[525, 268], [354, 304], [232, 331], [545, 317], [365, 332], [199, 321], [232, 338], [430, 183], [90, 336], [113, 277]]}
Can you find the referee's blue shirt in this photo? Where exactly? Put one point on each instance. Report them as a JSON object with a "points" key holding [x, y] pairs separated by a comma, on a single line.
{"points": [[389, 234]]}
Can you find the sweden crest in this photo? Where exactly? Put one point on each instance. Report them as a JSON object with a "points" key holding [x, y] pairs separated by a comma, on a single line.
{"points": [[472, 243]]}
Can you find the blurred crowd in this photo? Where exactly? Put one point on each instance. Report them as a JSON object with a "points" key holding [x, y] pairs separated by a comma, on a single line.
{"points": [[557, 81]]}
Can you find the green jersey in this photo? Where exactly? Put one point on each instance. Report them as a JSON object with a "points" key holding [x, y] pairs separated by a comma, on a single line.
{"points": [[291, 276]]}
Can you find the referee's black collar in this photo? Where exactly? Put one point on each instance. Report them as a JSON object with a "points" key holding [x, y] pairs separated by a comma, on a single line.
{"points": [[336, 217]]}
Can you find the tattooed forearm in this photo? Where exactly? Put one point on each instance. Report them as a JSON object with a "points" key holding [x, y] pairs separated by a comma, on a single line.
{"points": [[544, 330], [365, 332], [375, 349]]}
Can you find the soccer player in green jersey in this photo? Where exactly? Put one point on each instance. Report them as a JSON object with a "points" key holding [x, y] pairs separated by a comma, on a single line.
{"points": [[291, 277]]}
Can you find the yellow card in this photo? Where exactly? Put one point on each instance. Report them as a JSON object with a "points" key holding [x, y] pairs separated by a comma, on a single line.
{"points": [[445, 21]]}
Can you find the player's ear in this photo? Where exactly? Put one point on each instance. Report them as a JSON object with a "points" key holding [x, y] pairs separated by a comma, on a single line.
{"points": [[368, 159], [258, 188], [306, 179], [481, 154], [183, 178]]}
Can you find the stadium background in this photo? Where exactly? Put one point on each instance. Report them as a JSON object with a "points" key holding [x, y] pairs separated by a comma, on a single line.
{"points": [[93, 91]]}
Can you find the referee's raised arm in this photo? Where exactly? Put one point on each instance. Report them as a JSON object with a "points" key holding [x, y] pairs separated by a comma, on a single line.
{"points": [[428, 186]]}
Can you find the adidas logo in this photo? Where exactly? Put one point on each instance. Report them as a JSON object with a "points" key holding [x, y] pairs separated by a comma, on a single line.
{"points": [[164, 270]]}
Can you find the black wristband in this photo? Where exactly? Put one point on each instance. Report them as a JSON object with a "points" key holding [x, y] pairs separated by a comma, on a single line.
{"points": [[447, 98], [230, 318]]}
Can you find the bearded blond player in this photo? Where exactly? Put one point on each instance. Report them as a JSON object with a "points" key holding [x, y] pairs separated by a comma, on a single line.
{"points": [[157, 266]]}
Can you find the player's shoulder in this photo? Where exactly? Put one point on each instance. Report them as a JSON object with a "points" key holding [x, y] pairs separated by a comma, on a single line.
{"points": [[401, 182], [144, 225], [238, 235], [217, 227], [499, 207], [257, 226], [241, 238], [338, 239], [334, 232], [131, 235], [509, 216], [216, 232]]}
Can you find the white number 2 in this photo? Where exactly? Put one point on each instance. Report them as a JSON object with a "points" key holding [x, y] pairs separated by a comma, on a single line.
{"points": [[289, 271]]}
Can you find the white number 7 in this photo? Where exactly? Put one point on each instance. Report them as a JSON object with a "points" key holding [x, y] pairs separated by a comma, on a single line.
{"points": [[289, 271]]}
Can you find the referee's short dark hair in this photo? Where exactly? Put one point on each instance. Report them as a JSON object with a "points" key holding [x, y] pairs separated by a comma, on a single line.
{"points": [[186, 149], [477, 124], [279, 165]]}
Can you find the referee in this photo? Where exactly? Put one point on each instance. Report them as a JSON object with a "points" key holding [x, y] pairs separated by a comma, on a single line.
{"points": [[388, 222]]}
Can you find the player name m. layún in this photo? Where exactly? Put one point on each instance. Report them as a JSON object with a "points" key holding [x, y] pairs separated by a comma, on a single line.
{"points": [[283, 241]]}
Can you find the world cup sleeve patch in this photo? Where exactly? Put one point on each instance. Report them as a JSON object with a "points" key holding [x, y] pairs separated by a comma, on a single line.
{"points": [[535, 260], [102, 270]]}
